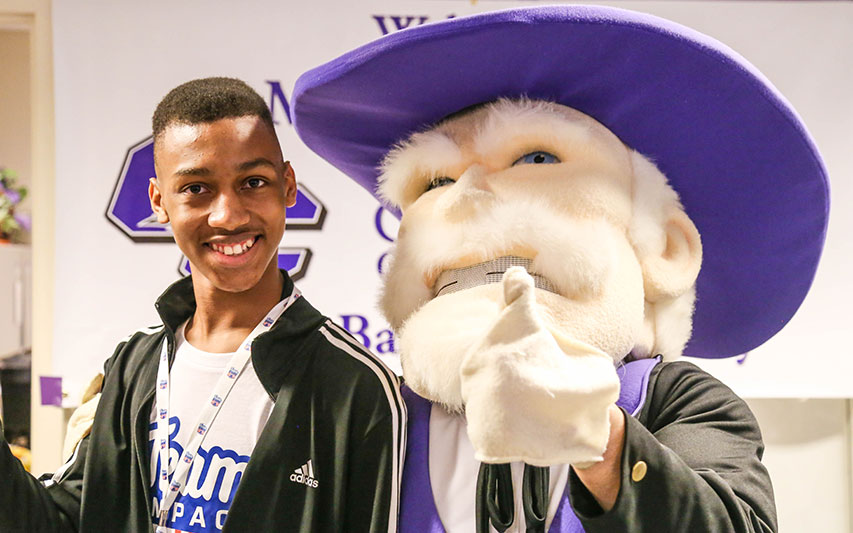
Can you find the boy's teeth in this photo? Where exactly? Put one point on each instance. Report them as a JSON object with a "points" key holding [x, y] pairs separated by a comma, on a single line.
{"points": [[234, 249]]}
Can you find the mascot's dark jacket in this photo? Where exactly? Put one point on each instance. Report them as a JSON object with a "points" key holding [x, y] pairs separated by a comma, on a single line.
{"points": [[691, 462], [338, 408]]}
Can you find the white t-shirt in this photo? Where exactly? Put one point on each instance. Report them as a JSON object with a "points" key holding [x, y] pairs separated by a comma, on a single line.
{"points": [[203, 503]]}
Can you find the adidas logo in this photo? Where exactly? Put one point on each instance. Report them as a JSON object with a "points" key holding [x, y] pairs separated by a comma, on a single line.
{"points": [[305, 475]]}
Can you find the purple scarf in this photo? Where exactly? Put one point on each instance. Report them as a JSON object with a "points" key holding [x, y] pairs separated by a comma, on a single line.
{"points": [[418, 513]]}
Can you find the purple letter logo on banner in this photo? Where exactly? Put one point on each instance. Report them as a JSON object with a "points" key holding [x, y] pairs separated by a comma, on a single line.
{"points": [[277, 95], [400, 22], [382, 220]]}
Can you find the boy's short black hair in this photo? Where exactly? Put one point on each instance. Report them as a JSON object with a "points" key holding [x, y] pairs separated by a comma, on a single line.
{"points": [[208, 100]]}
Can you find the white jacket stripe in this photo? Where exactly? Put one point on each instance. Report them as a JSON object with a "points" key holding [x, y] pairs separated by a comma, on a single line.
{"points": [[342, 339]]}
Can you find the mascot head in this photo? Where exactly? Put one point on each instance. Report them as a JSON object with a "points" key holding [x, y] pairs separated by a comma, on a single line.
{"points": [[592, 146], [541, 185]]}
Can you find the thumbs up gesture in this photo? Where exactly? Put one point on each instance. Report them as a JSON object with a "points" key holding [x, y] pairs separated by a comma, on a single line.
{"points": [[535, 395]]}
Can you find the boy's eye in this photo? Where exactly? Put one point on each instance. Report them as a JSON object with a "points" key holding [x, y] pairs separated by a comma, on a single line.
{"points": [[254, 183], [439, 182], [195, 188], [537, 158]]}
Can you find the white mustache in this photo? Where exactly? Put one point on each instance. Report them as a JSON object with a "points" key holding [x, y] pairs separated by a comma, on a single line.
{"points": [[571, 254]]}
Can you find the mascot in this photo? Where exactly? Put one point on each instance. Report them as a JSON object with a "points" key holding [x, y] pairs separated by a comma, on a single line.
{"points": [[586, 193]]}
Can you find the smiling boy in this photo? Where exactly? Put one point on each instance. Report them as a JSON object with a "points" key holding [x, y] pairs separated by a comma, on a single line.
{"points": [[266, 415]]}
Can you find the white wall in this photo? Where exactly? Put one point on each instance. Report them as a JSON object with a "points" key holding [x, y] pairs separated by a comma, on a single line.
{"points": [[808, 454]]}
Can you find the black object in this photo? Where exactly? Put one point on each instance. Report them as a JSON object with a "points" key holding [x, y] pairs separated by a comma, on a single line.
{"points": [[495, 498], [15, 385], [535, 495]]}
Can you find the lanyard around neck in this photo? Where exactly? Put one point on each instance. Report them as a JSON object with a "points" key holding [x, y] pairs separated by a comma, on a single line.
{"points": [[170, 488]]}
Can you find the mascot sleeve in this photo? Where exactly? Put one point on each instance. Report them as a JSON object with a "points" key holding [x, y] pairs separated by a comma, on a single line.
{"points": [[673, 478]]}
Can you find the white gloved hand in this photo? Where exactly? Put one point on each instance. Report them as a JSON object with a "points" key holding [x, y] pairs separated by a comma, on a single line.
{"points": [[532, 397]]}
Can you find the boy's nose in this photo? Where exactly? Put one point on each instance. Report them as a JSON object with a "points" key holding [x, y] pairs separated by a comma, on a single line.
{"points": [[228, 212]]}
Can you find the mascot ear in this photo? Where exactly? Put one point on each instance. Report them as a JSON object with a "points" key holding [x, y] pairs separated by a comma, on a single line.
{"points": [[670, 250], [674, 271]]}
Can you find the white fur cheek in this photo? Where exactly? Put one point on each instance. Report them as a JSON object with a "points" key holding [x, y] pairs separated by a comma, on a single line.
{"points": [[431, 246], [613, 321], [434, 340], [577, 257], [653, 199], [425, 247], [402, 289], [673, 325]]}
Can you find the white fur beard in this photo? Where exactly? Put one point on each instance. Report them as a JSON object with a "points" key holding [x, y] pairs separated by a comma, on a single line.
{"points": [[434, 340]]}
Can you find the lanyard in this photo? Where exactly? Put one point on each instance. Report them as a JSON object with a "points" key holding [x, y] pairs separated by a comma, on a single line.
{"points": [[169, 490]]}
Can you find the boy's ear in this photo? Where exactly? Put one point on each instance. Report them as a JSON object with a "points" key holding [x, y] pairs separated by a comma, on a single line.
{"points": [[674, 271], [289, 185], [156, 199]]}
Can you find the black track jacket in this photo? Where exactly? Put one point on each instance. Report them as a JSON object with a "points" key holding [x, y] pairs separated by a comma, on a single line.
{"points": [[335, 404]]}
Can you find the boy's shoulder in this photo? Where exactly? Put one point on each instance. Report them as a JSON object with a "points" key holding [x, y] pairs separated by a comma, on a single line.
{"points": [[337, 342], [342, 355], [349, 371], [135, 351]]}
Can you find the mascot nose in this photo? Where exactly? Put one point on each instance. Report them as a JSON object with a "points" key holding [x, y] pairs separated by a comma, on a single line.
{"points": [[468, 196], [474, 177]]}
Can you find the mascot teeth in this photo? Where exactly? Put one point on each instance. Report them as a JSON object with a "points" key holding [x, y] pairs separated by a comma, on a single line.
{"points": [[459, 279]]}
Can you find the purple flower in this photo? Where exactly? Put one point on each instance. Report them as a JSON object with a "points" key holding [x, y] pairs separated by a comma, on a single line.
{"points": [[24, 221], [13, 196]]}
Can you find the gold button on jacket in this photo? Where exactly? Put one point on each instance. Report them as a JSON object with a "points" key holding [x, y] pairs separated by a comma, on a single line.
{"points": [[639, 471]]}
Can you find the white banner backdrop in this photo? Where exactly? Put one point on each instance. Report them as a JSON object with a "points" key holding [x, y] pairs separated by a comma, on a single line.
{"points": [[115, 60]]}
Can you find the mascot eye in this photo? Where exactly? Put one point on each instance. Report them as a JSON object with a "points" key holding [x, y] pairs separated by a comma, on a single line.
{"points": [[439, 182], [537, 158]]}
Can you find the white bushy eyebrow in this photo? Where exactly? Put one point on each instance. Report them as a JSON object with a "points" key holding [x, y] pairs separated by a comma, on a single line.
{"points": [[519, 126], [407, 169], [509, 130]]}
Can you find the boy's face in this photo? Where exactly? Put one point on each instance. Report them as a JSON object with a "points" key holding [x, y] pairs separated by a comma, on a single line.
{"points": [[224, 187]]}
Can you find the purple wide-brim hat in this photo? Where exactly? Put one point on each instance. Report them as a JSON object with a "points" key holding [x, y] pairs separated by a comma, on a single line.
{"points": [[748, 173]]}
